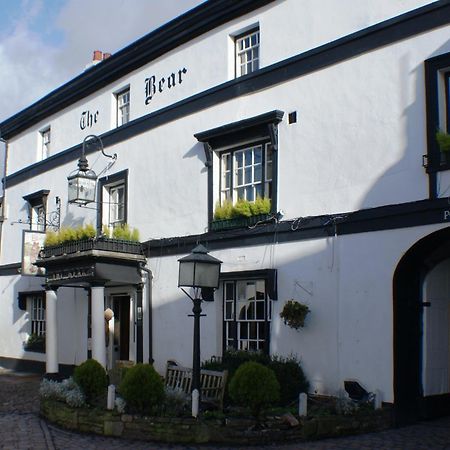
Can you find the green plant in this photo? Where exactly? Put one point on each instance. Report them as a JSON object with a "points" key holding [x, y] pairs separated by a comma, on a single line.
{"points": [[51, 238], [242, 208], [291, 377], [224, 211], [92, 379], [125, 233], [260, 206], [255, 386], [294, 314], [443, 140], [142, 388]]}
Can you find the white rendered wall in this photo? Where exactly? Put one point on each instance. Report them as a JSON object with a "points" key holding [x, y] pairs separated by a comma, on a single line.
{"points": [[347, 283], [358, 143], [209, 61], [15, 325]]}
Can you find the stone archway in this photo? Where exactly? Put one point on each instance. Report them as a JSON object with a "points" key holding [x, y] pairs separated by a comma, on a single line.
{"points": [[409, 303]]}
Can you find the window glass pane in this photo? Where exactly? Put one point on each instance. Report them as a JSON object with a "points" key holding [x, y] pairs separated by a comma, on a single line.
{"points": [[243, 330], [260, 310], [238, 159], [258, 173], [248, 175], [249, 194], [248, 157], [228, 310]]}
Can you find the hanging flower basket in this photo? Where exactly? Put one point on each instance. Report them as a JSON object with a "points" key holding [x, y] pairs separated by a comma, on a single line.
{"points": [[294, 314]]}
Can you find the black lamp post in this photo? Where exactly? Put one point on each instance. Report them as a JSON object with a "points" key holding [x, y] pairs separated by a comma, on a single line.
{"points": [[82, 182], [198, 270]]}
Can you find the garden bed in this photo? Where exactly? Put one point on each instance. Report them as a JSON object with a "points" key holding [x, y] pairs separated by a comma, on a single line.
{"points": [[188, 430]]}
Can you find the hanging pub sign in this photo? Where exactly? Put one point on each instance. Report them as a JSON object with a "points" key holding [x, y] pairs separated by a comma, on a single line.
{"points": [[33, 241]]}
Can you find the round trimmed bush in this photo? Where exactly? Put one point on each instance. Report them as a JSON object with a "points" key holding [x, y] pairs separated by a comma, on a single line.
{"points": [[254, 385], [92, 379], [291, 377], [142, 388]]}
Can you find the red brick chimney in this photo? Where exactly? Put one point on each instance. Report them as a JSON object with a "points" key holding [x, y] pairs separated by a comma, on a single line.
{"points": [[98, 56]]}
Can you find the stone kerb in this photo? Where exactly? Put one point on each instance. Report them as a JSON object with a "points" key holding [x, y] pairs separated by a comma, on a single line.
{"points": [[192, 431]]}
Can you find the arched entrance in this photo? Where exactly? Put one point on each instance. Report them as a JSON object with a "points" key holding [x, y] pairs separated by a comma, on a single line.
{"points": [[421, 329]]}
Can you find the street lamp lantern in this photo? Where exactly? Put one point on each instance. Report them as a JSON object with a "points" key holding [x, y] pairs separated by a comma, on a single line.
{"points": [[83, 182], [198, 270]]}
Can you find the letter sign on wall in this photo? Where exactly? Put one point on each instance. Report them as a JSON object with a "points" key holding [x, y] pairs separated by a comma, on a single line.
{"points": [[88, 119], [154, 85]]}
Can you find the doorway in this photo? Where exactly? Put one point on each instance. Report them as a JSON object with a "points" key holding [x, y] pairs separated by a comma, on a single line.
{"points": [[421, 300], [121, 343]]}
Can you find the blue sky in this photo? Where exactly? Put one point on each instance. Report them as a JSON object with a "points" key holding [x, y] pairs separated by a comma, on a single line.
{"points": [[44, 43]]}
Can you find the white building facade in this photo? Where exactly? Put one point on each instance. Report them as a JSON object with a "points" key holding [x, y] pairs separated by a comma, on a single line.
{"points": [[333, 119]]}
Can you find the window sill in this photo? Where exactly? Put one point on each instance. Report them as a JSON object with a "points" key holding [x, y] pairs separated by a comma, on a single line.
{"points": [[238, 222]]}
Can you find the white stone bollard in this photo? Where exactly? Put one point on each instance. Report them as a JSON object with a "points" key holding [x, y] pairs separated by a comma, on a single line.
{"points": [[111, 397], [303, 405], [378, 399], [195, 401]]}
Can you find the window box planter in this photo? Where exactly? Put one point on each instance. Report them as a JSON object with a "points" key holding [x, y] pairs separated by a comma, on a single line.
{"points": [[102, 243], [238, 222]]}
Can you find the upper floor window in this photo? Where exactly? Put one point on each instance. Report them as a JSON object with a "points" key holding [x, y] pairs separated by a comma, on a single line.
{"points": [[123, 107], [114, 200], [247, 52], [246, 173], [242, 165], [37, 209], [437, 81], [44, 144]]}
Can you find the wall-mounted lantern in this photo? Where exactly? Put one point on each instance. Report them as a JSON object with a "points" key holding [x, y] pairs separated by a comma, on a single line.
{"points": [[83, 182]]}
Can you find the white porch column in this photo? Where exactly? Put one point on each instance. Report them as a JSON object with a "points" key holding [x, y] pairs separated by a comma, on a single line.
{"points": [[98, 324], [51, 342]]}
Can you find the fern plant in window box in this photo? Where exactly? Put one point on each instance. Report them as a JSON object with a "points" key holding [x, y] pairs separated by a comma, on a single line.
{"points": [[294, 314], [242, 214]]}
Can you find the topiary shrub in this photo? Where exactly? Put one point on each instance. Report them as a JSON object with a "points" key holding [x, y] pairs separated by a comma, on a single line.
{"points": [[255, 386], [290, 375], [92, 379], [142, 389]]}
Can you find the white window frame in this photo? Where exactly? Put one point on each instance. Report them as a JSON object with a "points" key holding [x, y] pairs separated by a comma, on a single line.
{"points": [[44, 143], [123, 106], [242, 311], [36, 309], [114, 212], [247, 52], [239, 177]]}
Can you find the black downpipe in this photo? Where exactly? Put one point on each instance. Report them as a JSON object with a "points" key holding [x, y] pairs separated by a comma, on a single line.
{"points": [[150, 313]]}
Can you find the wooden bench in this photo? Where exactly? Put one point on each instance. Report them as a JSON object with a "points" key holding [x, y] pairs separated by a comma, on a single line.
{"points": [[212, 382]]}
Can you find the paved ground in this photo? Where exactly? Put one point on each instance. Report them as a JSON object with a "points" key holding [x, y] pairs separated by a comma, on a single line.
{"points": [[22, 429]]}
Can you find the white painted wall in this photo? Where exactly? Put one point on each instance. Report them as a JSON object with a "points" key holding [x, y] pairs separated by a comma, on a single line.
{"points": [[347, 283], [209, 61]]}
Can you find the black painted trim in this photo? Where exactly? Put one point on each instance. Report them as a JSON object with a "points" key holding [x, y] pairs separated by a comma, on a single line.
{"points": [[225, 134], [393, 30], [10, 269], [269, 275], [390, 217], [23, 295], [182, 29], [225, 137], [32, 366], [434, 164]]}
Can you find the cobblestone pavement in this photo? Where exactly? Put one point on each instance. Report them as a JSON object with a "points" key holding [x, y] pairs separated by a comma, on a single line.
{"points": [[22, 429]]}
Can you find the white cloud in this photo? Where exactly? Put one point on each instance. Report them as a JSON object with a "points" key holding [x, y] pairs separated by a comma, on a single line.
{"points": [[31, 65]]}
